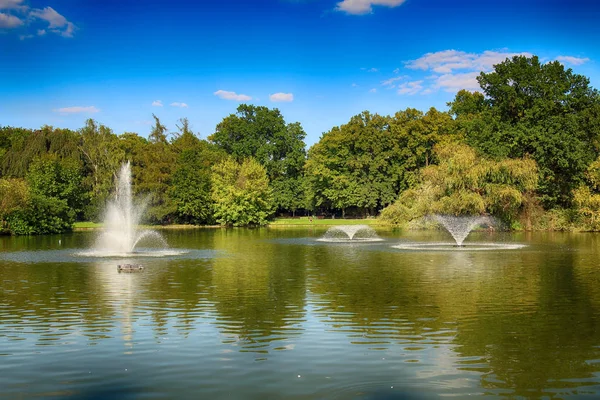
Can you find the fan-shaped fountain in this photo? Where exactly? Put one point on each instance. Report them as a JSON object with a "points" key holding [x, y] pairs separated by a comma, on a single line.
{"points": [[350, 233], [460, 227]]}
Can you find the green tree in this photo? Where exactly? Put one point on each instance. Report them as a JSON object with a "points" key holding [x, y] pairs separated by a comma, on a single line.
{"points": [[262, 133], [102, 159], [541, 110], [365, 163], [153, 169], [14, 197], [241, 193], [465, 184], [191, 181], [55, 197]]}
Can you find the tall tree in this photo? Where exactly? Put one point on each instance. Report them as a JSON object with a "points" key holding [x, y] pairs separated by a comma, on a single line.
{"points": [[365, 163], [262, 133], [102, 159], [191, 180], [543, 110]]}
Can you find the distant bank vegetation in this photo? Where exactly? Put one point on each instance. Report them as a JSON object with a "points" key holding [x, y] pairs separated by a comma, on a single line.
{"points": [[524, 149]]}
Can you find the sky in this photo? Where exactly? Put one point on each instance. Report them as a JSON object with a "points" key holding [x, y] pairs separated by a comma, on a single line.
{"points": [[318, 61]]}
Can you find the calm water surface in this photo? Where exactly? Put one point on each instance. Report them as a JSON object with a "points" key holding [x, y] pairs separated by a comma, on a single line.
{"points": [[273, 313]]}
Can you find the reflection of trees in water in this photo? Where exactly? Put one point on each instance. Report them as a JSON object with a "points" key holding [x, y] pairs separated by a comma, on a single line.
{"points": [[541, 335], [52, 300], [521, 319], [258, 289]]}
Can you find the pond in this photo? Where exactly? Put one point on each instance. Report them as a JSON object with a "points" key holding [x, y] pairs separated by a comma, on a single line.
{"points": [[275, 313]]}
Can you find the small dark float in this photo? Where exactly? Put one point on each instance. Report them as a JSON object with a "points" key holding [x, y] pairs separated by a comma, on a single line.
{"points": [[130, 268]]}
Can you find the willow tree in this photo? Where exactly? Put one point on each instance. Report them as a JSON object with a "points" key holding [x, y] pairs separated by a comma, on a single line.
{"points": [[463, 183]]}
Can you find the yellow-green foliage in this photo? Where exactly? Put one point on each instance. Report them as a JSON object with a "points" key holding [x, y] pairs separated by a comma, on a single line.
{"points": [[465, 184], [587, 198]]}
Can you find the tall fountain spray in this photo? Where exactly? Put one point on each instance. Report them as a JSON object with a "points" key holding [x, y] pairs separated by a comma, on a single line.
{"points": [[120, 235]]}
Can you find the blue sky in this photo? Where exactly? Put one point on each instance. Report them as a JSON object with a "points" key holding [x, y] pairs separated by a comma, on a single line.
{"points": [[318, 61]]}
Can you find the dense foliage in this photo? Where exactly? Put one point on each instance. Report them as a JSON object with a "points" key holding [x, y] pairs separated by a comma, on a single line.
{"points": [[525, 149]]}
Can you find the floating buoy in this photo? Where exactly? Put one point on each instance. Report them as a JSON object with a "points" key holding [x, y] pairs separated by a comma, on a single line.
{"points": [[130, 268]]}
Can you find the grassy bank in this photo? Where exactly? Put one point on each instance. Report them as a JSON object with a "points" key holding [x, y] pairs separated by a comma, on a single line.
{"points": [[302, 221], [323, 222]]}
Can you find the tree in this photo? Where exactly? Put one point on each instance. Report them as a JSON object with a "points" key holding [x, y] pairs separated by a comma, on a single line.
{"points": [[262, 133], [14, 197], [153, 170], [464, 183], [365, 163], [191, 180], [102, 160], [541, 110], [587, 198], [55, 197], [241, 193]]}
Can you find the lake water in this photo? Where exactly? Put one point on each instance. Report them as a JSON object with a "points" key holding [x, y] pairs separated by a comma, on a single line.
{"points": [[276, 314]]}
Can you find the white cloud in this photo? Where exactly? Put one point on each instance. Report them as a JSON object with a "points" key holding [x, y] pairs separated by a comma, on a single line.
{"points": [[397, 70], [281, 97], [453, 70], [50, 15], [361, 7], [225, 95], [157, 103], [180, 105], [410, 88], [56, 22], [12, 5], [456, 82], [374, 90], [75, 110], [9, 21], [446, 61], [572, 60], [373, 70], [41, 32], [354, 85], [23, 37]]}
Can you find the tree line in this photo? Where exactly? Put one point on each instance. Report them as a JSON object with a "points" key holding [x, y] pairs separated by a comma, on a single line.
{"points": [[525, 149]]}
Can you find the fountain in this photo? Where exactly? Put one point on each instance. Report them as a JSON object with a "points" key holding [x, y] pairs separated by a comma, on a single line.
{"points": [[350, 233], [120, 235], [459, 227]]}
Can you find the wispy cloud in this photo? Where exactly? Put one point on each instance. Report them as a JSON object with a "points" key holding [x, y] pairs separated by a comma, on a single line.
{"points": [[157, 103], [15, 13], [281, 97], [57, 23], [410, 88], [361, 7], [374, 90], [75, 110], [178, 104], [572, 60], [453, 70], [9, 21], [447, 61], [225, 95], [390, 82]]}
